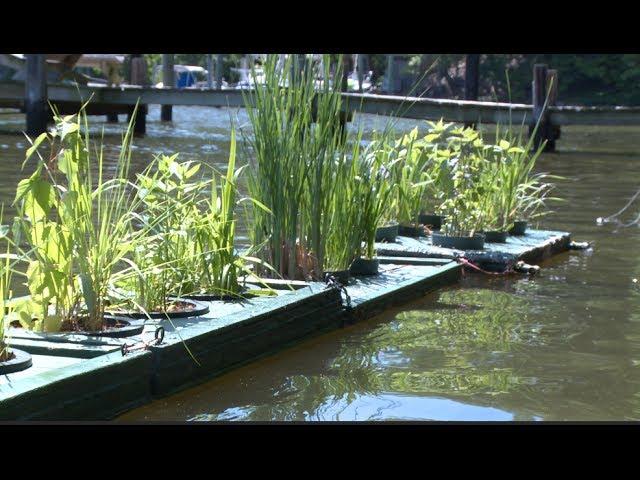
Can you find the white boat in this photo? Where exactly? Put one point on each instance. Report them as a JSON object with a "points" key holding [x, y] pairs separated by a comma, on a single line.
{"points": [[187, 76]]}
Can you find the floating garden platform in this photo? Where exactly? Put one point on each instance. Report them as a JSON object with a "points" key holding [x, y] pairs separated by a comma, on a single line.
{"points": [[88, 378], [534, 246]]}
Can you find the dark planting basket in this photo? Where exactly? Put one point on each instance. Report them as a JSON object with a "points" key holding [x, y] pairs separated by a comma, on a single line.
{"points": [[387, 233], [341, 276], [200, 309], [410, 231], [365, 266], [519, 228], [117, 327], [21, 361], [460, 243], [433, 221], [495, 237]]}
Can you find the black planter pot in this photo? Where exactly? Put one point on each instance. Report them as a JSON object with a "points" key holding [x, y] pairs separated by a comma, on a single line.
{"points": [[387, 233], [365, 266], [495, 237], [199, 309], [433, 221], [460, 243], [341, 276], [519, 228], [21, 361], [409, 231], [116, 327]]}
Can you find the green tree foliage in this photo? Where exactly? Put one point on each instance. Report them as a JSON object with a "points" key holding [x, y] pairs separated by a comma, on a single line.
{"points": [[588, 79]]}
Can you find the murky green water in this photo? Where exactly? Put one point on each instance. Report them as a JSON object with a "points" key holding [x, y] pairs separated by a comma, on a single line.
{"points": [[564, 345]]}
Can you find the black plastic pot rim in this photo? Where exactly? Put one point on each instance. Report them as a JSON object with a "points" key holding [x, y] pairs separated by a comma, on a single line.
{"points": [[431, 215], [412, 230], [475, 235], [476, 242], [519, 228], [495, 236], [21, 361], [200, 309], [387, 233], [127, 330], [364, 266]]}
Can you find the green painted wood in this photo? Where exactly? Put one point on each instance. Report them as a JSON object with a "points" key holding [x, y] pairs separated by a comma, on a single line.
{"points": [[534, 246], [233, 334], [63, 349], [223, 343], [95, 389], [414, 260], [397, 285]]}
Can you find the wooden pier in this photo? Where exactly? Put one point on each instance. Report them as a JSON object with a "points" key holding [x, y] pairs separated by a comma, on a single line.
{"points": [[30, 96], [12, 95]]}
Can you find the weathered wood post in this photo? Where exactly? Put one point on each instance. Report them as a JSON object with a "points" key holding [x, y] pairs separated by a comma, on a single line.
{"points": [[168, 81], [209, 71], [219, 61], [112, 117], [552, 87], [389, 76], [361, 67], [345, 115], [35, 102], [139, 77], [540, 114], [471, 80]]}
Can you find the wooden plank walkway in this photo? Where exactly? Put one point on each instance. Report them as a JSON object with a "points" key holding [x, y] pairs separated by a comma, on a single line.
{"points": [[12, 95]]}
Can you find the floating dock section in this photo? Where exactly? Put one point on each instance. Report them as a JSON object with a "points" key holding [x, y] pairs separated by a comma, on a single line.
{"points": [[77, 377], [534, 246]]}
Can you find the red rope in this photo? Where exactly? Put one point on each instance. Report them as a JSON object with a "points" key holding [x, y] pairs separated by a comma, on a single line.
{"points": [[467, 263]]}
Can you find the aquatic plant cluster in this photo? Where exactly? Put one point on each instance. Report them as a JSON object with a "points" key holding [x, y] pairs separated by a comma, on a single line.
{"points": [[92, 241], [326, 193]]}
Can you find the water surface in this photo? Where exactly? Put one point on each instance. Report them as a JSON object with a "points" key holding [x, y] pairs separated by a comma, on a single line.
{"points": [[564, 345]]}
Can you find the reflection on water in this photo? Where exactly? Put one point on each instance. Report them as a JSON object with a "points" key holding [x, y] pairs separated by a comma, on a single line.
{"points": [[564, 345]]}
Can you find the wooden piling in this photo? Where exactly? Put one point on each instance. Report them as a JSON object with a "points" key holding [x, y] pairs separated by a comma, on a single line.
{"points": [[168, 81], [139, 77], [552, 87], [209, 71], [389, 76], [36, 107], [345, 114], [540, 113], [471, 80], [219, 62], [361, 68]]}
